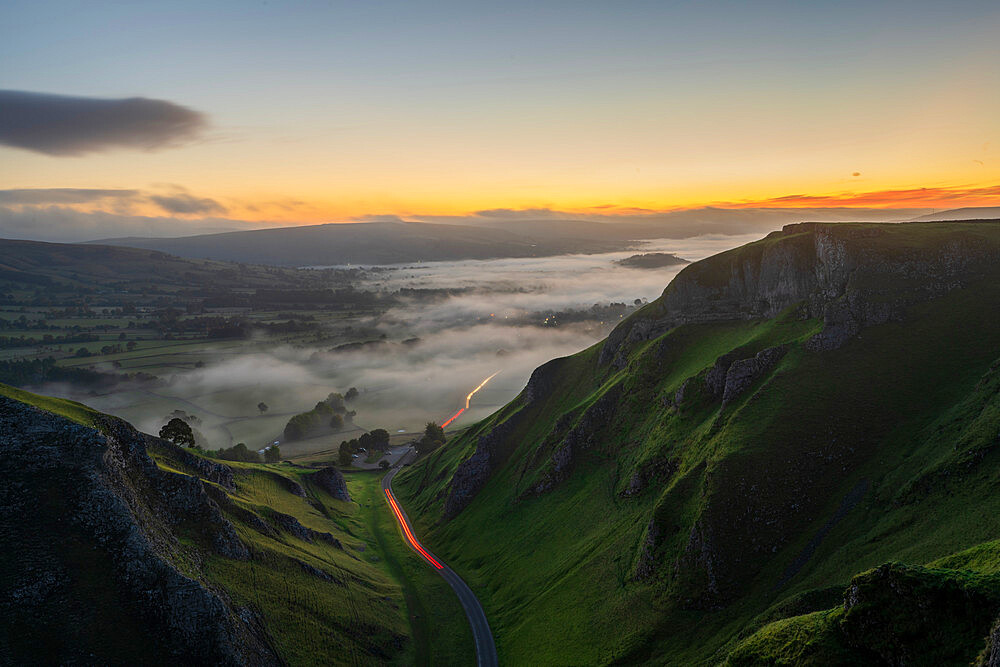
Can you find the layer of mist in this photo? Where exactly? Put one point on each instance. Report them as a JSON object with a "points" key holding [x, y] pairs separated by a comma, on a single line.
{"points": [[508, 317]]}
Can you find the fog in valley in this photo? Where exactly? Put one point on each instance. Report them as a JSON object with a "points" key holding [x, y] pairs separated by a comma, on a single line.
{"points": [[418, 360]]}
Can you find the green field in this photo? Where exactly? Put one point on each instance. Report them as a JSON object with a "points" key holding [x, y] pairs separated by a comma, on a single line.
{"points": [[833, 463]]}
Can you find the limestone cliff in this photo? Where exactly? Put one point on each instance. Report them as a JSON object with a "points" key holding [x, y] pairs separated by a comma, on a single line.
{"points": [[851, 276], [93, 567]]}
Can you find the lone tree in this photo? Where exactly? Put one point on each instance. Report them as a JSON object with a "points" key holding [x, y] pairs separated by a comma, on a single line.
{"points": [[262, 406], [178, 432], [272, 454], [432, 439]]}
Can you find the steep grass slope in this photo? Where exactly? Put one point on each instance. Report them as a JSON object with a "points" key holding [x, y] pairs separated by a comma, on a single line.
{"points": [[121, 548], [786, 416]]}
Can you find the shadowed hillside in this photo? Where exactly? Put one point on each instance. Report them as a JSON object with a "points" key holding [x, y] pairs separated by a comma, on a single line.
{"points": [[788, 458], [122, 548]]}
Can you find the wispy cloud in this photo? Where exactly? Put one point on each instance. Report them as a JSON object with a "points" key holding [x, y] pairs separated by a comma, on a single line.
{"points": [[186, 204], [938, 197], [61, 196], [65, 125]]}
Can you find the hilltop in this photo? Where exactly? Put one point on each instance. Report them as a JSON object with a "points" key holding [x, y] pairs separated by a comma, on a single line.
{"points": [[789, 457]]}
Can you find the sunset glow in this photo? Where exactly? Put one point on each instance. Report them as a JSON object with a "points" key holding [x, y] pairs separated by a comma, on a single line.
{"points": [[337, 114]]}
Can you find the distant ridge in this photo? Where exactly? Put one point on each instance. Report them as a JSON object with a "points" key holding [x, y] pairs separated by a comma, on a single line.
{"points": [[366, 243], [968, 213], [482, 237]]}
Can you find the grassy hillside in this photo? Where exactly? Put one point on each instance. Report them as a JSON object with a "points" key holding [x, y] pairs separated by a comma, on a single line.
{"points": [[629, 513], [77, 412], [316, 579]]}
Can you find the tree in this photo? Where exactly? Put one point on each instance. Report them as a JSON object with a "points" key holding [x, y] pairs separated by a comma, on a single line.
{"points": [[351, 394], [272, 454], [337, 422], [383, 464], [262, 406], [434, 432], [345, 454], [432, 439], [239, 452], [178, 432], [130, 345], [380, 439]]}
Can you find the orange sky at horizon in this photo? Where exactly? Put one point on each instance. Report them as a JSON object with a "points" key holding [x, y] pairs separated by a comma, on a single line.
{"points": [[298, 212]]}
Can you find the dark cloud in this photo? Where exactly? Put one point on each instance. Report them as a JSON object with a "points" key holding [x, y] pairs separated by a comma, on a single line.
{"points": [[185, 204], [37, 196], [69, 125]]}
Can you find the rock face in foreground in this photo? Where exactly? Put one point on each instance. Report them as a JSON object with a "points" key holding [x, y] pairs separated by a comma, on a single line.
{"points": [[88, 529]]}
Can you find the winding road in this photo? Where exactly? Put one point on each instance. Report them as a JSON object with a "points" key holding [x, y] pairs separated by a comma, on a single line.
{"points": [[486, 650]]}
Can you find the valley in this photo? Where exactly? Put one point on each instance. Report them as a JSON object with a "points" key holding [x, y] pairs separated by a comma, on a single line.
{"points": [[786, 457]]}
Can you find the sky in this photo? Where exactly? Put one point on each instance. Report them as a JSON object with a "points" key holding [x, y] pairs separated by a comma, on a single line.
{"points": [[306, 112]]}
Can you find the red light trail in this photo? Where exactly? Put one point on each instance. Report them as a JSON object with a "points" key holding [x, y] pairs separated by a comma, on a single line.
{"points": [[453, 418], [409, 533], [469, 398]]}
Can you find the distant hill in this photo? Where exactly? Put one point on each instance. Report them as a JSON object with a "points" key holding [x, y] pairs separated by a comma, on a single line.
{"points": [[92, 266], [791, 457], [479, 237], [968, 213], [370, 243], [652, 260]]}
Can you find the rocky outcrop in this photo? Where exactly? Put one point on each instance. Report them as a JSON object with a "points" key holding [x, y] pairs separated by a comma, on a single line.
{"points": [[492, 448], [990, 657], [289, 485], [715, 378], [81, 506], [332, 481], [472, 473], [909, 615], [542, 381], [658, 470], [581, 436], [698, 564], [646, 563], [734, 372], [290, 524], [744, 372], [851, 276], [219, 473]]}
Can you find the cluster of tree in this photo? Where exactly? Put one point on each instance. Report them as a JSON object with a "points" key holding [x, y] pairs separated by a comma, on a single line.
{"points": [[329, 414], [240, 452], [432, 438], [24, 372], [376, 440], [47, 339]]}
